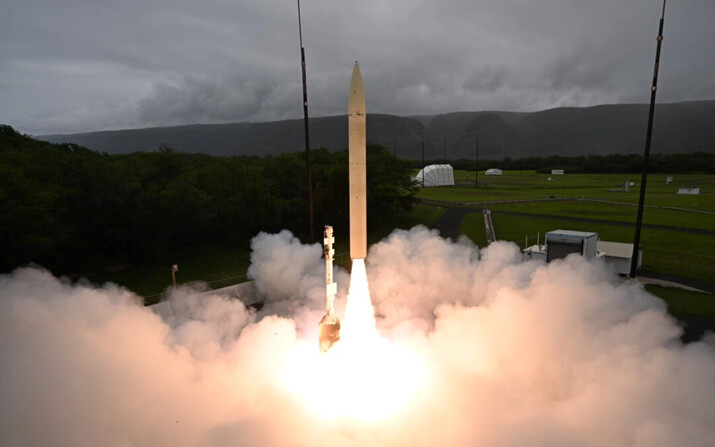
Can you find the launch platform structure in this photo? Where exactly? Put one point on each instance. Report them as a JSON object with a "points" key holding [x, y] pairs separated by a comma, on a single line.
{"points": [[329, 326], [331, 288]]}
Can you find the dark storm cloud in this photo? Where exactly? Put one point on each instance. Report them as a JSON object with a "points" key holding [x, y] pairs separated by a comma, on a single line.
{"points": [[486, 78], [205, 99], [80, 65]]}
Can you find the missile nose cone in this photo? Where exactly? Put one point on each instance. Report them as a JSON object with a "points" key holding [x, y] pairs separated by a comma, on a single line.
{"points": [[356, 100]]}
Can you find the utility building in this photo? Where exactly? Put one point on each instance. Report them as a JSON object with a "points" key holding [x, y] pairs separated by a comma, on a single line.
{"points": [[619, 255], [561, 243]]}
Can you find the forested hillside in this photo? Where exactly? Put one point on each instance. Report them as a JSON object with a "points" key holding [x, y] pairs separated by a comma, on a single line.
{"points": [[567, 131], [62, 205]]}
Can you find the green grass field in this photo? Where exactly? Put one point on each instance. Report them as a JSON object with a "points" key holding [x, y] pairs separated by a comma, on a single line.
{"points": [[589, 206], [684, 302], [216, 266], [528, 185], [221, 266]]}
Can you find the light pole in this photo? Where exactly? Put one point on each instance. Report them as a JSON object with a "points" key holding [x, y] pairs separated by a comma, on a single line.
{"points": [[307, 131], [476, 165], [646, 153]]}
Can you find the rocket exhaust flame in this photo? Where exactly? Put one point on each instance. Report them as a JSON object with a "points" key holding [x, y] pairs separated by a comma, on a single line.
{"points": [[368, 377]]}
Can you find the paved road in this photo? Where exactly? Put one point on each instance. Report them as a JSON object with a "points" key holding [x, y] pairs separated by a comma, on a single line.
{"points": [[448, 225]]}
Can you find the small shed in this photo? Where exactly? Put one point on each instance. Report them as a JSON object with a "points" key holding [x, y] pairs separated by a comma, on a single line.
{"points": [[493, 171], [557, 172], [435, 175]]}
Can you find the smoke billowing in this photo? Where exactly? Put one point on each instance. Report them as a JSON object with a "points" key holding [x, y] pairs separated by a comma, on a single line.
{"points": [[518, 354]]}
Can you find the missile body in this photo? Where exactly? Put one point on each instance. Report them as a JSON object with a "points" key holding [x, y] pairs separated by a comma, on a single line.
{"points": [[357, 169]]}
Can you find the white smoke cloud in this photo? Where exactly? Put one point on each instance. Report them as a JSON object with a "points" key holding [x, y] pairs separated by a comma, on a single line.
{"points": [[519, 354], [290, 278]]}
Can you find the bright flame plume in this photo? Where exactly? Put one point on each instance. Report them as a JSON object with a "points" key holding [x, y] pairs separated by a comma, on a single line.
{"points": [[364, 376]]}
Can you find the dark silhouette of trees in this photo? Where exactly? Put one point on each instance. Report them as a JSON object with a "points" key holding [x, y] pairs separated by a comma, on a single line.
{"points": [[62, 205]]}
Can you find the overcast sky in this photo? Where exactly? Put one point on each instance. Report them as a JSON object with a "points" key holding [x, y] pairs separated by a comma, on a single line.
{"points": [[85, 65]]}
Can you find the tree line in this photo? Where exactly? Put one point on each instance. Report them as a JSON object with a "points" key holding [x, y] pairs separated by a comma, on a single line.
{"points": [[62, 205]]}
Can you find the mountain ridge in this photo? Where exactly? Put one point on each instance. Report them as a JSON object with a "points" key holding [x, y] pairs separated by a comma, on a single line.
{"points": [[597, 130]]}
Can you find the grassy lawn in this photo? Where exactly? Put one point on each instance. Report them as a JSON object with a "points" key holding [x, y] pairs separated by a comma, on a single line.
{"points": [[527, 185], [613, 211], [684, 302], [473, 227], [221, 266], [680, 254], [217, 266], [684, 254]]}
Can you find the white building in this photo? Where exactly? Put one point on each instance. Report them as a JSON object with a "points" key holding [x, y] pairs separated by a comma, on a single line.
{"points": [[619, 255], [435, 175], [563, 242], [493, 171]]}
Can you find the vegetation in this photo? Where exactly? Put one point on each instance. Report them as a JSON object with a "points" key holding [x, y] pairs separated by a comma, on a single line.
{"points": [[589, 164], [69, 208], [684, 302], [677, 235], [127, 218]]}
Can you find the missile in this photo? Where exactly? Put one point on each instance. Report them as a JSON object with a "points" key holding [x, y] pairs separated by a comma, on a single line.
{"points": [[357, 169]]}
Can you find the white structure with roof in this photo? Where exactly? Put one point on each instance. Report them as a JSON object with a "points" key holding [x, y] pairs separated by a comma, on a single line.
{"points": [[435, 175], [560, 243], [619, 255], [493, 171]]}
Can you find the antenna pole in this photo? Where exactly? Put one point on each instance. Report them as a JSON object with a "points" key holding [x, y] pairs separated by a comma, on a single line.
{"points": [[423, 161], [646, 153], [307, 131], [476, 165]]}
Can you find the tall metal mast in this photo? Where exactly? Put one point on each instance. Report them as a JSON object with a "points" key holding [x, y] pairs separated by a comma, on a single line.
{"points": [[644, 176], [307, 131], [423, 161], [476, 165]]}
